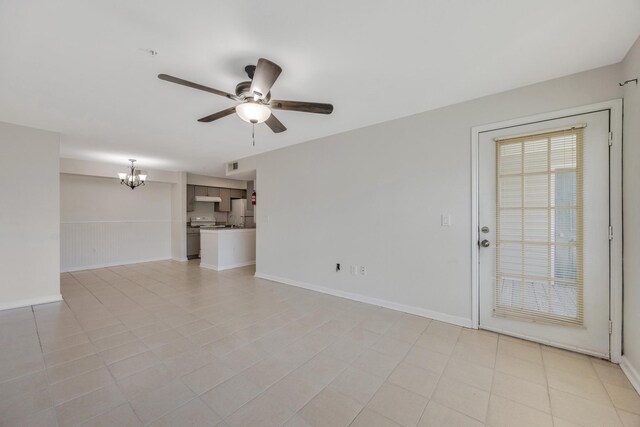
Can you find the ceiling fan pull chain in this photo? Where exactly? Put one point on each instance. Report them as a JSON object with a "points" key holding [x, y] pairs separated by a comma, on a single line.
{"points": [[253, 133]]}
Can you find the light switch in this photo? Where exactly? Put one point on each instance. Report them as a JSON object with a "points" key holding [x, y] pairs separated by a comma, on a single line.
{"points": [[445, 220]]}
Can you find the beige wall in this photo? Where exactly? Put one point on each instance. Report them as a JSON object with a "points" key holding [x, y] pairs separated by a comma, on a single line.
{"points": [[631, 214], [104, 223], [91, 243], [374, 197], [211, 181], [29, 216]]}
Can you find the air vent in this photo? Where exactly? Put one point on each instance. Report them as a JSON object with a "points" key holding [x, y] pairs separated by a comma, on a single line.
{"points": [[234, 166]]}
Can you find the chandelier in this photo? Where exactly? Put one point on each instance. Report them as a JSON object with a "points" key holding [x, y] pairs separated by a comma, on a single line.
{"points": [[133, 178]]}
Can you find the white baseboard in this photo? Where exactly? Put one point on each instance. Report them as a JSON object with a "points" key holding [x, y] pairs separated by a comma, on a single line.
{"points": [[111, 264], [179, 259], [30, 301], [225, 267], [631, 372], [418, 311]]}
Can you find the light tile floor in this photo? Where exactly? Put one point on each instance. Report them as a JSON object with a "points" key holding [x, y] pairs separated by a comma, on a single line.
{"points": [[169, 344]]}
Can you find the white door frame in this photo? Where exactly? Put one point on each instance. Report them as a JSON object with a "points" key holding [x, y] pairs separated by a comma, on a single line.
{"points": [[615, 209]]}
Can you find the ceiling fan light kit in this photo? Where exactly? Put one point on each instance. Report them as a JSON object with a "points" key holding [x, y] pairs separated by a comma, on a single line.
{"points": [[253, 112], [254, 97]]}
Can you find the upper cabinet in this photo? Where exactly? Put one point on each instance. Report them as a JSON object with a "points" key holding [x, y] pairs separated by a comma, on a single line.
{"points": [[226, 194], [201, 191], [191, 195], [225, 204]]}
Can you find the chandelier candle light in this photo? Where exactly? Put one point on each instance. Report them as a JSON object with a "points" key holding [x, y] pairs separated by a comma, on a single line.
{"points": [[134, 178]]}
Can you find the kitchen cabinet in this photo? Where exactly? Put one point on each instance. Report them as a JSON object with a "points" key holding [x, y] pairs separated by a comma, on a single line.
{"points": [[226, 194], [225, 204], [191, 194], [193, 245]]}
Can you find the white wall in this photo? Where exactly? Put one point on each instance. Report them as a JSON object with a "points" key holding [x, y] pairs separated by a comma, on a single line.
{"points": [[631, 213], [177, 182], [179, 217], [211, 181], [374, 197], [110, 170], [29, 216], [105, 223]]}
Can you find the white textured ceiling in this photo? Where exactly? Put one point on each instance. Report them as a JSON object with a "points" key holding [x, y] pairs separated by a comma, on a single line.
{"points": [[76, 66]]}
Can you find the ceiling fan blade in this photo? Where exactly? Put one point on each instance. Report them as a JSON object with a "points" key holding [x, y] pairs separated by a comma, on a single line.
{"points": [[304, 107], [274, 124], [196, 86], [218, 115], [264, 77]]}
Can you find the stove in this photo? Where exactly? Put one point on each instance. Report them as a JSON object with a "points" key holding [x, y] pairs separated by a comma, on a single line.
{"points": [[202, 221]]}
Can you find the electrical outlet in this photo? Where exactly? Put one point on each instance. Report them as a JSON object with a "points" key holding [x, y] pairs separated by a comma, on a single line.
{"points": [[354, 269], [445, 220], [363, 270]]}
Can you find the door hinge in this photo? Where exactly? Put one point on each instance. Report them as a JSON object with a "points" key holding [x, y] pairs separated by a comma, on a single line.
{"points": [[610, 327], [610, 232], [610, 139]]}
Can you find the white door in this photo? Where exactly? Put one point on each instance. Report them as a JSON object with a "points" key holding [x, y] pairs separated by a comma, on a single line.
{"points": [[544, 232]]}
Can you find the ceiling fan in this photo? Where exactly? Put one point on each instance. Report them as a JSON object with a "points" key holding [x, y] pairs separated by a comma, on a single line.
{"points": [[254, 97]]}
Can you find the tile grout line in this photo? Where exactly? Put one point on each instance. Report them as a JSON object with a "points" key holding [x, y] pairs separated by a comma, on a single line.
{"points": [[35, 323], [314, 356], [385, 379], [272, 385], [439, 379], [577, 395], [173, 286], [390, 373], [105, 365]]}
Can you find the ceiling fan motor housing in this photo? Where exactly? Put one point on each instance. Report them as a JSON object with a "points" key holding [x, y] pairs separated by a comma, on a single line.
{"points": [[243, 90]]}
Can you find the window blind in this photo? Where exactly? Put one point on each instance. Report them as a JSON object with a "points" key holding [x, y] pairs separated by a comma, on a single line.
{"points": [[539, 247]]}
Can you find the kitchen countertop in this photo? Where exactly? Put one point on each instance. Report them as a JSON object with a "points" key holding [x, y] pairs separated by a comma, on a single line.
{"points": [[225, 230]]}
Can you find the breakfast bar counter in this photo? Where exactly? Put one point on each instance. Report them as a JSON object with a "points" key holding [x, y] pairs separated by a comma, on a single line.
{"points": [[225, 248]]}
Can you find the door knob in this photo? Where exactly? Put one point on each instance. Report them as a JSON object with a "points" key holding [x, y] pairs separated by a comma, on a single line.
{"points": [[485, 243]]}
